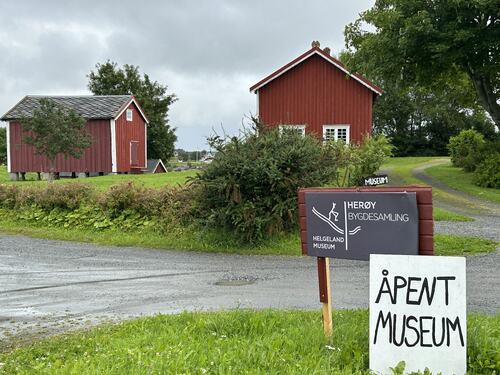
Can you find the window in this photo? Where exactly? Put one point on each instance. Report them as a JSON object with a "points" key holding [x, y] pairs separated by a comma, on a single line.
{"points": [[336, 132], [301, 129], [129, 114]]}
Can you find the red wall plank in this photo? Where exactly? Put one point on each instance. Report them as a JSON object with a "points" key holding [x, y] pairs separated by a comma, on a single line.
{"points": [[97, 158]]}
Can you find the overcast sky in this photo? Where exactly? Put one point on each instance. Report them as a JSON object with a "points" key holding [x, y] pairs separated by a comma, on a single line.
{"points": [[208, 52]]}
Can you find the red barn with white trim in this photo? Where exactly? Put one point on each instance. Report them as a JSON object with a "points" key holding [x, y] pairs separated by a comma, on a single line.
{"points": [[116, 123], [316, 94]]}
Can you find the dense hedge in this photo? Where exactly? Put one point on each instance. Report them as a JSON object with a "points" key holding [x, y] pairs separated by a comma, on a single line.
{"points": [[123, 206], [471, 152]]}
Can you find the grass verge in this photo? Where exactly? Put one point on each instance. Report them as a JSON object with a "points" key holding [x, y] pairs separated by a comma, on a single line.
{"points": [[400, 171], [441, 214], [457, 179], [105, 182], [192, 238], [236, 342], [445, 244]]}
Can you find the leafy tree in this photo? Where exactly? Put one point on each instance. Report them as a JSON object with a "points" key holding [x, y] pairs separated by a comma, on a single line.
{"points": [[427, 42], [56, 130], [109, 79], [3, 146]]}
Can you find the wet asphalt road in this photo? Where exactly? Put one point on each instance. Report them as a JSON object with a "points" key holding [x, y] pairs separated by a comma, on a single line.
{"points": [[48, 286]]}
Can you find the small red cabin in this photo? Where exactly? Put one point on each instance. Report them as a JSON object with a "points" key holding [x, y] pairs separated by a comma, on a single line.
{"points": [[316, 94], [116, 124]]}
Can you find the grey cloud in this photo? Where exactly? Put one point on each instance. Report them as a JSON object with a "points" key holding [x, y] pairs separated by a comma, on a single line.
{"points": [[207, 52]]}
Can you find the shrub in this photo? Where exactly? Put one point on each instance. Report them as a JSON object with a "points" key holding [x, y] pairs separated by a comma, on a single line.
{"points": [[359, 160], [129, 197], [466, 149], [8, 196], [55, 196], [251, 185], [487, 174]]}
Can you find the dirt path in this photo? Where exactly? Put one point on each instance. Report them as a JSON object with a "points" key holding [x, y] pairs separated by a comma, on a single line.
{"points": [[486, 214], [475, 203]]}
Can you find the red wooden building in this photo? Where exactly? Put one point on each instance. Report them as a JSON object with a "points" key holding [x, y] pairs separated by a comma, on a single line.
{"points": [[116, 123], [316, 94]]}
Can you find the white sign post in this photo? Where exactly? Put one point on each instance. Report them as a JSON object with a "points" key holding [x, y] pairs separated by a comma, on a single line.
{"points": [[418, 313]]}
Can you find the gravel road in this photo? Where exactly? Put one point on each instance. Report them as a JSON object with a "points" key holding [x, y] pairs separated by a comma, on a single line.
{"points": [[486, 222], [50, 286]]}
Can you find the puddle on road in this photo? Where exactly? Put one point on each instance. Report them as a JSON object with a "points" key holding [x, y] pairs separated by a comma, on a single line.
{"points": [[235, 282]]}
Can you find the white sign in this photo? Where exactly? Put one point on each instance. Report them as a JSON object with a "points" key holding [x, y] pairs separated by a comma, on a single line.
{"points": [[418, 313]]}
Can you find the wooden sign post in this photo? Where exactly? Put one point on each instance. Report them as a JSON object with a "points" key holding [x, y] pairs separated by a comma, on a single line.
{"points": [[353, 223], [325, 295]]}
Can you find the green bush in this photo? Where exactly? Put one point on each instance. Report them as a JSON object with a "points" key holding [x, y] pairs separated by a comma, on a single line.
{"points": [[356, 161], [251, 186], [467, 149], [8, 196], [487, 174]]}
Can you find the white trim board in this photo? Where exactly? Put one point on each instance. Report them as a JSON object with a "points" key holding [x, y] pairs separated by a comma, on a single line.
{"points": [[114, 166], [7, 136]]}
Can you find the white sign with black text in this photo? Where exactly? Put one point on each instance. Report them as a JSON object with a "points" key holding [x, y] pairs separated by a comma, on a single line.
{"points": [[418, 313]]}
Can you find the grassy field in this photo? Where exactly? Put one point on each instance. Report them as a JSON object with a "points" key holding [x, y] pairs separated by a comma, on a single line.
{"points": [[455, 178], [104, 182], [236, 342], [400, 170], [193, 238]]}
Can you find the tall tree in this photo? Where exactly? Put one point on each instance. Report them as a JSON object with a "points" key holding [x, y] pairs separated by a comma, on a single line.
{"points": [[109, 79], [426, 41], [55, 130]]}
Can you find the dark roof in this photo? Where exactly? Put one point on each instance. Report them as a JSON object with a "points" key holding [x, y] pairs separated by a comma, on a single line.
{"points": [[153, 163], [89, 106], [316, 51]]}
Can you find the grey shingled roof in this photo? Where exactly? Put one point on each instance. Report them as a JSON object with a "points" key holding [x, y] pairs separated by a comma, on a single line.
{"points": [[152, 163], [89, 106]]}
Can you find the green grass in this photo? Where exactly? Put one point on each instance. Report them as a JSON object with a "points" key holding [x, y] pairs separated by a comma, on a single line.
{"points": [[400, 171], [236, 342], [193, 238], [457, 179], [445, 244], [401, 167], [180, 238], [441, 214], [104, 182]]}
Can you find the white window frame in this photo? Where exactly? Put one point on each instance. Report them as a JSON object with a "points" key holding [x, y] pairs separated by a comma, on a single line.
{"points": [[129, 114], [336, 135], [302, 128]]}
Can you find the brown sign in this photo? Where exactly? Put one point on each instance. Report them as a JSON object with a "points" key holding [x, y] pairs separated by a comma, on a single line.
{"points": [[353, 225], [423, 196]]}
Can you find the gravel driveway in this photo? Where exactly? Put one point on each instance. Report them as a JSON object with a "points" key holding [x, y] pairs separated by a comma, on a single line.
{"points": [[50, 286]]}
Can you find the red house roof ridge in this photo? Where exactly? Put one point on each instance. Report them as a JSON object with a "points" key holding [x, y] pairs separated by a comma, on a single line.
{"points": [[316, 50]]}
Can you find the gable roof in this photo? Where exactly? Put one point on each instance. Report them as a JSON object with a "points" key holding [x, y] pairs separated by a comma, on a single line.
{"points": [[316, 51], [153, 164], [90, 107]]}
